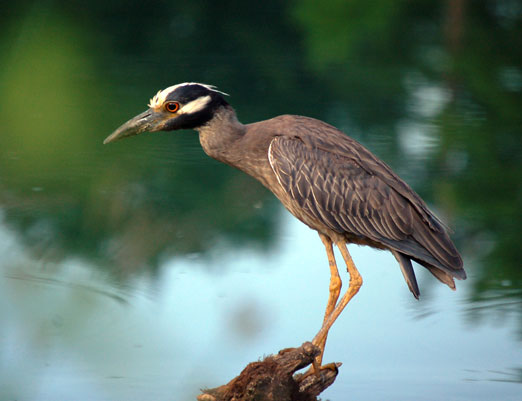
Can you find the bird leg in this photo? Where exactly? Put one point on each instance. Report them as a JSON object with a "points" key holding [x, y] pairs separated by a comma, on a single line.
{"points": [[335, 290], [353, 288]]}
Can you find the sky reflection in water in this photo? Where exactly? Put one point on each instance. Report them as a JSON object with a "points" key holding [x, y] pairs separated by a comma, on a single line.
{"points": [[68, 329], [115, 282]]}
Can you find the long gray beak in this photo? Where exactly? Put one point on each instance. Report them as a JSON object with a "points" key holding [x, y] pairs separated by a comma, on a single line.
{"points": [[146, 121]]}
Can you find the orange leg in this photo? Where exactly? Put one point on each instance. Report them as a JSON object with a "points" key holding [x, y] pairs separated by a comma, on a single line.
{"points": [[335, 290], [353, 288]]}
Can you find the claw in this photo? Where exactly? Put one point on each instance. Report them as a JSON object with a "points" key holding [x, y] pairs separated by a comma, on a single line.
{"points": [[316, 370]]}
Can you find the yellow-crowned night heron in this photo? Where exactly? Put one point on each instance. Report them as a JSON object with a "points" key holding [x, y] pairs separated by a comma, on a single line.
{"points": [[327, 180]]}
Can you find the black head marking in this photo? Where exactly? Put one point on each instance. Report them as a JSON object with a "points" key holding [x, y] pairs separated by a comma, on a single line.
{"points": [[198, 104]]}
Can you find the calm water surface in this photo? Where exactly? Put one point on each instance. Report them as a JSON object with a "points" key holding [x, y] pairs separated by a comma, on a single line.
{"points": [[144, 270], [69, 329]]}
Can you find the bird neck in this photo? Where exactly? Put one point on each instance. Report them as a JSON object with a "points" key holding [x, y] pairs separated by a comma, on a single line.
{"points": [[220, 133]]}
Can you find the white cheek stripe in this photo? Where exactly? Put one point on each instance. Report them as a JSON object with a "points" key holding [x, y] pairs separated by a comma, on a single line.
{"points": [[195, 106]]}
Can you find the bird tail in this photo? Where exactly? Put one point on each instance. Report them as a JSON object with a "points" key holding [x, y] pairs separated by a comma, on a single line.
{"points": [[407, 272], [440, 256], [441, 275]]}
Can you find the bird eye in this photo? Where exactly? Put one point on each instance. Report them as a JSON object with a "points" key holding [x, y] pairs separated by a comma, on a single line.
{"points": [[172, 106]]}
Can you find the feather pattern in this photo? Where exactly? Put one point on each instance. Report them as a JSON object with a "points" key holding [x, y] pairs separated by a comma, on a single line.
{"points": [[343, 186]]}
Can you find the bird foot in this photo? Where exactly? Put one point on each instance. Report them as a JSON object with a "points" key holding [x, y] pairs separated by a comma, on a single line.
{"points": [[317, 370]]}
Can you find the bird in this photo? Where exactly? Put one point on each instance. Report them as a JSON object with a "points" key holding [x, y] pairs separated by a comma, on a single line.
{"points": [[326, 179]]}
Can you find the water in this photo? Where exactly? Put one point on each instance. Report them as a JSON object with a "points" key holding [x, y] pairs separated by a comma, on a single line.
{"points": [[145, 270], [74, 331]]}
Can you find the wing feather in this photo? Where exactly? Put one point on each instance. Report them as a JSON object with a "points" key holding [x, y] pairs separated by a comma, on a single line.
{"points": [[363, 198]]}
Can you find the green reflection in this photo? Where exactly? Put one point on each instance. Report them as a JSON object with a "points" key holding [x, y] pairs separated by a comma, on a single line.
{"points": [[46, 106], [127, 207], [377, 57], [70, 77]]}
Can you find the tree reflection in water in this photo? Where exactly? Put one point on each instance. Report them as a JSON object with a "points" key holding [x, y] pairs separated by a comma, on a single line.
{"points": [[433, 88]]}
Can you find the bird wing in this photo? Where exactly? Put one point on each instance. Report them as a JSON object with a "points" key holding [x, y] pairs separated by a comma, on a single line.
{"points": [[336, 190], [351, 191]]}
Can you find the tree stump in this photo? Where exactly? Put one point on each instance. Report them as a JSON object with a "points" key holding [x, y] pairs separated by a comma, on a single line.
{"points": [[274, 379]]}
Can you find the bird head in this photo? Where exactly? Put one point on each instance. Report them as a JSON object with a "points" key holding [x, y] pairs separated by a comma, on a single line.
{"points": [[183, 106]]}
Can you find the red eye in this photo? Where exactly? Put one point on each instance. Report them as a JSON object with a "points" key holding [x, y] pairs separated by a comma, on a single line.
{"points": [[172, 106]]}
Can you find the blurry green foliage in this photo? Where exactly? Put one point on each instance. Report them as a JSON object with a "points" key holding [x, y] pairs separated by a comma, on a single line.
{"points": [[74, 72]]}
